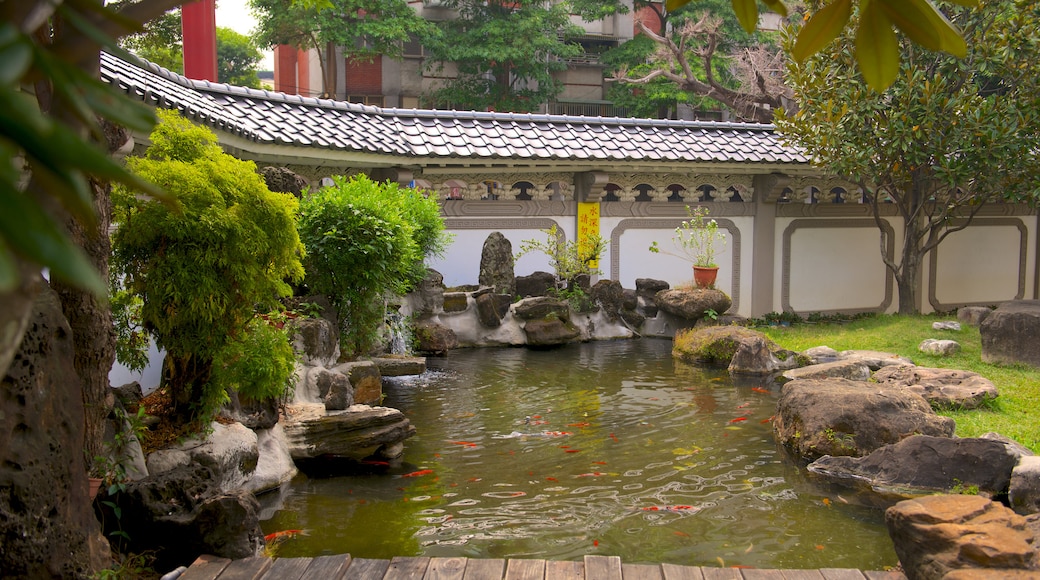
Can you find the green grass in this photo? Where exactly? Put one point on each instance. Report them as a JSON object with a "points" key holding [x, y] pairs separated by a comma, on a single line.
{"points": [[1015, 414]]}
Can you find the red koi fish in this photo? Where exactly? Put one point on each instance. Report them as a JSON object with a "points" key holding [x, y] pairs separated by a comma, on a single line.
{"points": [[614, 437], [738, 420], [419, 473], [557, 433], [284, 535], [669, 508], [761, 390], [465, 443], [581, 424], [767, 419], [572, 450]]}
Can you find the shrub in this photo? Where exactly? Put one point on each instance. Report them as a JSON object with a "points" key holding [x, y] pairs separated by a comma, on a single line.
{"points": [[258, 363], [202, 268]]}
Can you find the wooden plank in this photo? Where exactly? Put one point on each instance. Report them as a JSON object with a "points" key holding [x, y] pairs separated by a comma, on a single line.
{"points": [[603, 567], [802, 575], [365, 569], [404, 568], [525, 569], [205, 567], [641, 572], [565, 570], [447, 569], [720, 573], [331, 567], [760, 574], [287, 569], [884, 575], [490, 569], [673, 572], [841, 574], [246, 569]]}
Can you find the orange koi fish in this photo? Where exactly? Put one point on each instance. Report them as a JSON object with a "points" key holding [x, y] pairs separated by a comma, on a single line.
{"points": [[465, 443], [284, 535], [761, 390], [581, 424], [738, 420], [572, 450], [419, 473], [669, 508], [614, 437], [557, 433]]}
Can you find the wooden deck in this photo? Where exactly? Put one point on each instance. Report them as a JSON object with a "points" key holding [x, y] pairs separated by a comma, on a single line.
{"points": [[422, 568]]}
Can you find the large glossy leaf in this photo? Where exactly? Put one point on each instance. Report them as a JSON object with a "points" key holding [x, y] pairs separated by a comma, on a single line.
{"points": [[924, 24], [877, 48], [822, 28], [747, 14]]}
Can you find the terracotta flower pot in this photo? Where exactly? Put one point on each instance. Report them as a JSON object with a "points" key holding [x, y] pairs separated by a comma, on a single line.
{"points": [[95, 485], [705, 277]]}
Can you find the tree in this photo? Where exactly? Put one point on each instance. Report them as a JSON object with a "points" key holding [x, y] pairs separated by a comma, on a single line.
{"points": [[949, 136], [202, 271], [362, 29], [161, 41], [237, 59]]}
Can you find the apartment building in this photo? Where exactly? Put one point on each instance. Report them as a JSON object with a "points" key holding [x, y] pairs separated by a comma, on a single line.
{"points": [[390, 82]]}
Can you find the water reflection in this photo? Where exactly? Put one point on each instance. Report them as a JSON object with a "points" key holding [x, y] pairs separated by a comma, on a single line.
{"points": [[604, 448]]}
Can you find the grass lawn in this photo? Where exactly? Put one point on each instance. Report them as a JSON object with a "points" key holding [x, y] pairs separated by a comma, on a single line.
{"points": [[1015, 414]]}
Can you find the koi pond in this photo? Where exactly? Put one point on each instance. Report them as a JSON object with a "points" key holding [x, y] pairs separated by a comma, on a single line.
{"points": [[605, 448]]}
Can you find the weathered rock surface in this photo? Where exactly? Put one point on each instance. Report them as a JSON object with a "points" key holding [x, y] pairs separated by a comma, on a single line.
{"points": [[316, 340], [875, 359], [1024, 491], [943, 388], [283, 180], [550, 331], [646, 292], [853, 370], [456, 301], [1013, 447], [842, 417], [821, 354], [365, 379], [492, 307], [938, 347], [692, 304], [754, 357], [541, 307], [274, 464], [1011, 333], [714, 344], [609, 296], [496, 265], [357, 432], [400, 366], [229, 452], [973, 315], [428, 298], [46, 524], [435, 338], [946, 325], [334, 388], [937, 534], [536, 284], [921, 464]]}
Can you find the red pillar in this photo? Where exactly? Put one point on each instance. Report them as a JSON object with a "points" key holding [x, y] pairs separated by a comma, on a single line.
{"points": [[199, 26], [285, 69]]}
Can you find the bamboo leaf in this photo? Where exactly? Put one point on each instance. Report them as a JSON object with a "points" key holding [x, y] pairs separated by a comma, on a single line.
{"points": [[877, 48], [822, 28]]}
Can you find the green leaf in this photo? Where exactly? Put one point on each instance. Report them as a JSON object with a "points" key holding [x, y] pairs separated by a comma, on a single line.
{"points": [[8, 270], [747, 14], [777, 6], [15, 55], [822, 28], [925, 25], [877, 48]]}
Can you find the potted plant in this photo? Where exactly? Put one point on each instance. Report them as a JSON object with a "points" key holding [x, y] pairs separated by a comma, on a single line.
{"points": [[695, 240]]}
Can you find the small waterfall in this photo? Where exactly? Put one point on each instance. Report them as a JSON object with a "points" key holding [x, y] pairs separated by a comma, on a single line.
{"points": [[399, 333]]}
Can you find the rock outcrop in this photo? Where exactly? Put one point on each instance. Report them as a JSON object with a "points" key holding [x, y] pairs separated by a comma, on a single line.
{"points": [[357, 432], [496, 265], [1011, 333], [943, 388], [715, 345], [692, 304]]}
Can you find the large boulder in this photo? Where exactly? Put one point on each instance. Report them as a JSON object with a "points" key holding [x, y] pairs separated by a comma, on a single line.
{"points": [[754, 357], [924, 464], [365, 379], [875, 359], [541, 308], [428, 297], [646, 293], [496, 265], [356, 433], [456, 301], [316, 341], [938, 534], [550, 331], [283, 180], [943, 388], [491, 307], [536, 284], [1011, 333], [842, 417], [434, 338], [610, 297], [1024, 490], [694, 303], [400, 366], [230, 453], [853, 370], [46, 524], [973, 315], [714, 344]]}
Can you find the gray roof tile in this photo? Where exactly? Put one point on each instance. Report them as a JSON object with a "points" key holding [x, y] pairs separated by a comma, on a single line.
{"points": [[277, 118]]}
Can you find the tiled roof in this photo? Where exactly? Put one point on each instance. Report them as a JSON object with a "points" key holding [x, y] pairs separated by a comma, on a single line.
{"points": [[266, 117]]}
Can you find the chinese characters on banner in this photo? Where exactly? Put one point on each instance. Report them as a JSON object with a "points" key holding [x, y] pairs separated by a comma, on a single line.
{"points": [[588, 226]]}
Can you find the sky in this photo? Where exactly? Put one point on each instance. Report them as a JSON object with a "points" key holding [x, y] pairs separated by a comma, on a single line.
{"points": [[234, 14]]}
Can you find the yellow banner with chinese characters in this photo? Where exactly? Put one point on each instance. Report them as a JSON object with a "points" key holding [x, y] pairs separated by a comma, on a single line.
{"points": [[588, 228]]}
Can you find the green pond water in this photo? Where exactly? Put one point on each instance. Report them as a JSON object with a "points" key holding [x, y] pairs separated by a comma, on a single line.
{"points": [[607, 448]]}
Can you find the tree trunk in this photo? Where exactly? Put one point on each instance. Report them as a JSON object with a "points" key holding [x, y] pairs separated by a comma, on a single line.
{"points": [[908, 277], [186, 377]]}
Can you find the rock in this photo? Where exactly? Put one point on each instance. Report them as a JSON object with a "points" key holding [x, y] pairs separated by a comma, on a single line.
{"points": [[496, 265], [428, 297], [1011, 333], [943, 388], [491, 308], [129, 394], [842, 417], [610, 297], [456, 301], [334, 389], [924, 464], [537, 284], [853, 370], [946, 325], [283, 180], [253, 414], [365, 379], [316, 340], [629, 299], [692, 304], [753, 357], [229, 452], [632, 319], [177, 515], [990, 574], [714, 344], [46, 521], [550, 331], [274, 464], [400, 366], [357, 432], [875, 359], [541, 307], [1014, 447], [937, 534], [939, 347], [973, 315], [1024, 491], [649, 287], [432, 337], [821, 354]]}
